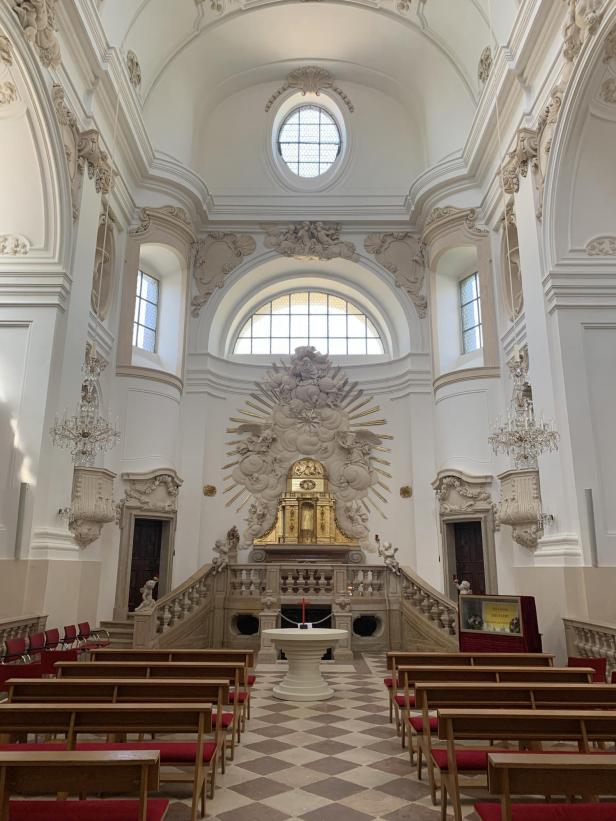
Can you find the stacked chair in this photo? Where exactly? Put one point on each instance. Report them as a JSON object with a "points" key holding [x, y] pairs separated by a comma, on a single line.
{"points": [[512, 723], [130, 705]]}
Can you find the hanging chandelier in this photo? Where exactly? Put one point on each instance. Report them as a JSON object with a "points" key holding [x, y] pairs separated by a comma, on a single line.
{"points": [[87, 432], [518, 433]]}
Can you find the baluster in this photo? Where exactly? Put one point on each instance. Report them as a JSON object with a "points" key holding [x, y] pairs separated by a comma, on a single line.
{"points": [[166, 618]]}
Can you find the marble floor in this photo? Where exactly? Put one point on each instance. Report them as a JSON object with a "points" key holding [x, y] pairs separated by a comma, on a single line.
{"points": [[337, 760]]}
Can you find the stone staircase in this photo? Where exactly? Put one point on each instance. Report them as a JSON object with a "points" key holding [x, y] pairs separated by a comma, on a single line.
{"points": [[120, 632]]}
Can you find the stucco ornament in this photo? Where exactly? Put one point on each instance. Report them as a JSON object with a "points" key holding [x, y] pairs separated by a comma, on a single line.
{"points": [[213, 260], [307, 409], [14, 245], [401, 254], [602, 247], [8, 93], [485, 65], [309, 240], [134, 69], [6, 50], [37, 19], [310, 80]]}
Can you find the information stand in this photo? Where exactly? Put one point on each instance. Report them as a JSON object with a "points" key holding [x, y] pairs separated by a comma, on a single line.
{"points": [[498, 624]]}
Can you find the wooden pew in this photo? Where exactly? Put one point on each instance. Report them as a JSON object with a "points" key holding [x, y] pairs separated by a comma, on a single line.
{"points": [[529, 727], [407, 677], [182, 654], [530, 774], [193, 761], [395, 658], [129, 691], [430, 696], [233, 671], [43, 773]]}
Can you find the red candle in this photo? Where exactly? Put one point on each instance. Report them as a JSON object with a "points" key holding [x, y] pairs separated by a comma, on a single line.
{"points": [[303, 604]]}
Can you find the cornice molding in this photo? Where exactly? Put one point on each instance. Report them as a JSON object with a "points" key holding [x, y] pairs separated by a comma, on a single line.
{"points": [[465, 375], [151, 375]]}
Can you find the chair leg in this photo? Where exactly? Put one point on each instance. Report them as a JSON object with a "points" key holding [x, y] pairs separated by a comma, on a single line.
{"points": [[403, 730], [391, 708], [223, 757], [443, 800], [248, 705], [419, 760], [411, 748], [212, 781]]}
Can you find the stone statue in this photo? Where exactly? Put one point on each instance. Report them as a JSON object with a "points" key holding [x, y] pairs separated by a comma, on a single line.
{"points": [[221, 560], [147, 594], [388, 553], [233, 541], [464, 587]]}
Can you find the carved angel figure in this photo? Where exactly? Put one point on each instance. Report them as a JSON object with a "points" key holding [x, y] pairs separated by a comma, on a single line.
{"points": [[147, 595], [388, 553], [38, 22], [464, 587], [221, 560]]}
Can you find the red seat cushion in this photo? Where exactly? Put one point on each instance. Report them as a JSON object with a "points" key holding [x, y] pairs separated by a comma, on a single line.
{"points": [[251, 679], [400, 700], [548, 812], [226, 720], [241, 696], [598, 665], [170, 751], [112, 810], [466, 759], [388, 682], [417, 724]]}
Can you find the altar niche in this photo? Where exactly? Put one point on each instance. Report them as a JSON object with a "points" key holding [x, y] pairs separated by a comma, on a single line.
{"points": [[306, 511], [314, 613]]}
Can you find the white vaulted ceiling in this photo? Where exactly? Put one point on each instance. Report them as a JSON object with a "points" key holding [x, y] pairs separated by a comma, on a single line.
{"points": [[409, 67]]}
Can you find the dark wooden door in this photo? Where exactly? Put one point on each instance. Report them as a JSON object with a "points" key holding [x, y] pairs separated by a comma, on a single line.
{"points": [[468, 544], [145, 564]]}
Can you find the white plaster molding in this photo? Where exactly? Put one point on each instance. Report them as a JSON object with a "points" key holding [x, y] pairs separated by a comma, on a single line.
{"points": [[134, 69], [604, 246], [154, 490], [310, 80], [171, 219], [213, 260], [559, 549], [91, 503], [150, 374], [308, 240], [14, 245], [8, 93], [53, 543], [520, 505], [582, 22], [448, 218], [459, 492], [6, 50], [464, 375], [103, 277], [37, 19], [401, 254]]}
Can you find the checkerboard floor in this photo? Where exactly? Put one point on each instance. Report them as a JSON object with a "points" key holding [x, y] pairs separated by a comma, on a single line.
{"points": [[338, 759]]}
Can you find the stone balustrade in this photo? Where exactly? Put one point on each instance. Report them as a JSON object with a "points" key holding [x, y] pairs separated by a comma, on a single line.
{"points": [[591, 641], [430, 617], [13, 628]]}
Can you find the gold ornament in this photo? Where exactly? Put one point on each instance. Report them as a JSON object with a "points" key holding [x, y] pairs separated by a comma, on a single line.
{"points": [[406, 491], [209, 490]]}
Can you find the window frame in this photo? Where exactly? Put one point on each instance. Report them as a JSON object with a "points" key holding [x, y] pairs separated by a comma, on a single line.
{"points": [[340, 145], [308, 338], [462, 305], [138, 300]]}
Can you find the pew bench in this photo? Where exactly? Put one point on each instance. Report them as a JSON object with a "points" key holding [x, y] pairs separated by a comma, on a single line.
{"points": [[214, 692], [39, 773], [530, 728], [233, 671], [396, 658], [191, 761], [553, 775]]}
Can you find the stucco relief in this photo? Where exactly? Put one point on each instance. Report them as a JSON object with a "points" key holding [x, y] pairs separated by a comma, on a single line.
{"points": [[513, 295], [309, 240], [604, 246], [8, 93], [171, 212], [307, 409], [156, 491], [104, 268], [485, 65], [310, 80], [13, 245], [213, 260], [91, 503], [520, 505], [6, 51], [583, 21], [441, 216], [37, 19], [401, 254], [457, 493], [134, 69]]}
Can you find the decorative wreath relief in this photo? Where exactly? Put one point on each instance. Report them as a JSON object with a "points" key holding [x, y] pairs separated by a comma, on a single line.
{"points": [[307, 408]]}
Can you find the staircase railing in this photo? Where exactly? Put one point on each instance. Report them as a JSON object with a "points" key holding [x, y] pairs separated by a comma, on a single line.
{"points": [[591, 641], [13, 628], [430, 619], [163, 622]]}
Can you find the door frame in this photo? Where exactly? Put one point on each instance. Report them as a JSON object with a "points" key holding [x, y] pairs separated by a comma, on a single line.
{"points": [[486, 520]]}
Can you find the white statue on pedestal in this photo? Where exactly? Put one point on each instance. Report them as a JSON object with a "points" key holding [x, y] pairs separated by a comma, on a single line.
{"points": [[147, 594]]}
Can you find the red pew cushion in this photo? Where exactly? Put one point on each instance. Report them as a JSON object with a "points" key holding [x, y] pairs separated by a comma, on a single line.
{"points": [[170, 751], [241, 696], [416, 723], [251, 679], [467, 759], [227, 720], [388, 682], [598, 665], [549, 812], [400, 701], [97, 810]]}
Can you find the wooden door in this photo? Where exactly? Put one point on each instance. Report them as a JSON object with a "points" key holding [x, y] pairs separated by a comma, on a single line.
{"points": [[468, 546], [145, 563]]}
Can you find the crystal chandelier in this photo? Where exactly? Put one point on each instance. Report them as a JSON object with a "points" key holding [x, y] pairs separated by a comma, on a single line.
{"points": [[519, 434], [87, 432]]}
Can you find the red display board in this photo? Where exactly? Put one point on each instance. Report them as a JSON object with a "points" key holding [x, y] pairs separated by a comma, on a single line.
{"points": [[498, 624]]}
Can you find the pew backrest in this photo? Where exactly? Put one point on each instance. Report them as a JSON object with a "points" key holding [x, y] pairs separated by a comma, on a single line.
{"points": [[409, 676], [233, 671], [173, 654], [416, 659]]}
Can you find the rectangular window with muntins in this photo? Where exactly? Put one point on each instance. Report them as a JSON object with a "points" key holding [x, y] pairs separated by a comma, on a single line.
{"points": [[145, 325], [470, 314]]}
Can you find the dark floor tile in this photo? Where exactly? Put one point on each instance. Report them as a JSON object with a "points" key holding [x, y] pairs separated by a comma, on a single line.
{"points": [[331, 765], [407, 788], [335, 812], [265, 765], [329, 747], [332, 788], [253, 812], [256, 789]]}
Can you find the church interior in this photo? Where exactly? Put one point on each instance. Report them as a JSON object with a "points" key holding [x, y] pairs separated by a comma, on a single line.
{"points": [[307, 400]]}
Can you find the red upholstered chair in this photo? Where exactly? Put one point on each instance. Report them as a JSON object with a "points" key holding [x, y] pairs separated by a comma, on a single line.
{"points": [[36, 642], [52, 639], [70, 635], [598, 665], [15, 650], [92, 639]]}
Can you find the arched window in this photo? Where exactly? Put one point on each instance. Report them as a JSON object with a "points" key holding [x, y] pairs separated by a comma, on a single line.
{"points": [[330, 323]]}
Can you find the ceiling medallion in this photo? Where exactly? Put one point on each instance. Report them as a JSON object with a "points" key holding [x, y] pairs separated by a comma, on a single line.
{"points": [[310, 80]]}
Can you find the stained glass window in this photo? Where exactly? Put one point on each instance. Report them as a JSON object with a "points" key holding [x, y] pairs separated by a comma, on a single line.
{"points": [[145, 325], [309, 141], [330, 323], [470, 314]]}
